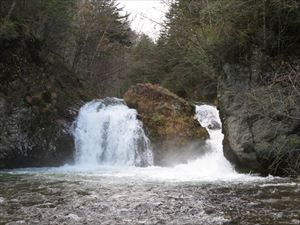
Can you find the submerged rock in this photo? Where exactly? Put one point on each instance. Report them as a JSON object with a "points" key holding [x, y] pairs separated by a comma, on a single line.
{"points": [[175, 134], [214, 125]]}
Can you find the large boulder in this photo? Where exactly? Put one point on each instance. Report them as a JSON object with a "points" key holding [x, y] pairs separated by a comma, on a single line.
{"points": [[175, 134], [261, 123]]}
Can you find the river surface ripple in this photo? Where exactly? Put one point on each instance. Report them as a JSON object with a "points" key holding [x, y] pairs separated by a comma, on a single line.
{"points": [[48, 196]]}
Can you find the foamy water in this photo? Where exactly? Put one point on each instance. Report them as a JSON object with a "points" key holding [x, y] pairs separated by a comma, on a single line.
{"points": [[108, 133], [114, 130]]}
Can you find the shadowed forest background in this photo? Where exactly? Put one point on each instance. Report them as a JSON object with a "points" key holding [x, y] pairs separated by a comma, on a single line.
{"points": [[198, 38]]}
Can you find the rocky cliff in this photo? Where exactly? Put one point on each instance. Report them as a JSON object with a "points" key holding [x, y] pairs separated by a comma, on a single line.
{"points": [[175, 134], [261, 122], [38, 101]]}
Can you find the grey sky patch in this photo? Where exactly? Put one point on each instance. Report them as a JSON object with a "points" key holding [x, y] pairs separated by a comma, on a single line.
{"points": [[145, 15]]}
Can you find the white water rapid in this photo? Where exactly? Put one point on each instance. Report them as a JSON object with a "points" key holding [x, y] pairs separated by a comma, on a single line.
{"points": [[108, 133], [108, 136], [212, 166]]}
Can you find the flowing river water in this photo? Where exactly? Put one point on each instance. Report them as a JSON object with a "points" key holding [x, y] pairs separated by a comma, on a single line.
{"points": [[114, 181]]}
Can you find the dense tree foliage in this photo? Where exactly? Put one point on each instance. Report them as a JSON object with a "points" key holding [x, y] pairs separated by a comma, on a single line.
{"points": [[91, 37], [50, 21], [101, 44], [201, 36], [198, 38]]}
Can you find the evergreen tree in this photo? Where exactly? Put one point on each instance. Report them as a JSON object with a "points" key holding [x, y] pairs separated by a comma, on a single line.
{"points": [[201, 36]]}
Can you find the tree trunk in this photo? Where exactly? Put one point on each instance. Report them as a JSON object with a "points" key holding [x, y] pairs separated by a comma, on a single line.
{"points": [[12, 7], [266, 9]]}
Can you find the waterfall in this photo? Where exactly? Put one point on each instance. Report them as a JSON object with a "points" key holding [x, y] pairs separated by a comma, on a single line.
{"points": [[212, 163], [108, 133], [212, 166], [110, 142]]}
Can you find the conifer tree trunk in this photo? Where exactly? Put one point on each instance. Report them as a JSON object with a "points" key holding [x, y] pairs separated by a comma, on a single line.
{"points": [[12, 7], [266, 8]]}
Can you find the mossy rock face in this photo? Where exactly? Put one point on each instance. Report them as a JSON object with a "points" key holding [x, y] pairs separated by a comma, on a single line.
{"points": [[170, 122]]}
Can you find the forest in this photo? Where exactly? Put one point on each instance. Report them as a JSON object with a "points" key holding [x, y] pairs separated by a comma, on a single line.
{"points": [[197, 40], [200, 37]]}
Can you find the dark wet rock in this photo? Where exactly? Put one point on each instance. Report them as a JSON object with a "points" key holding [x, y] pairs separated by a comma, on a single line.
{"points": [[214, 125], [175, 134], [261, 123], [112, 101], [108, 101]]}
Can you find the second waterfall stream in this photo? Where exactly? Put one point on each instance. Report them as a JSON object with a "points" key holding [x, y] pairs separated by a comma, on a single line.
{"points": [[109, 135]]}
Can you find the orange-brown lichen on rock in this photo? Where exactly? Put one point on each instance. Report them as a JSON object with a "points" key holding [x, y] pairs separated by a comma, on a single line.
{"points": [[170, 121]]}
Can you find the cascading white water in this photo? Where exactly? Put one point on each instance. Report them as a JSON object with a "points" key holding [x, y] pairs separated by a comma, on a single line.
{"points": [[214, 161], [108, 133], [108, 137], [210, 167]]}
